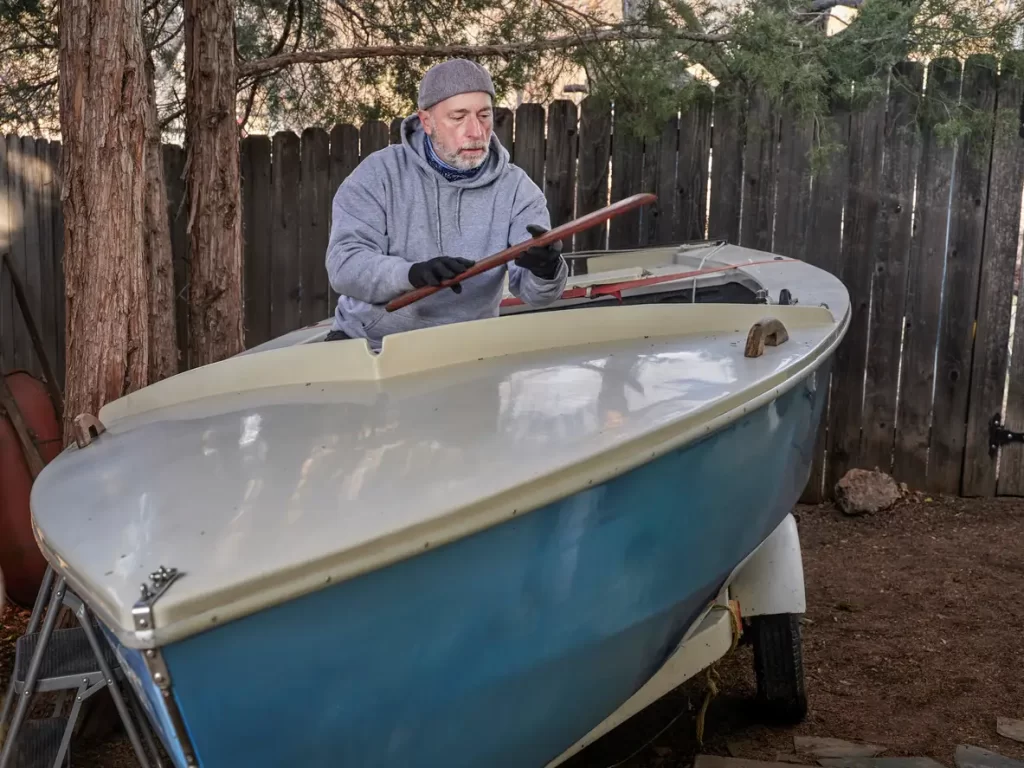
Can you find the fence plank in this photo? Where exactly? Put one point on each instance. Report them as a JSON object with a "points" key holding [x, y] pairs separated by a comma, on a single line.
{"points": [[315, 222], [692, 172], [344, 159], [963, 269], [758, 213], [560, 170], [529, 141], [794, 187], [373, 135], [885, 329], [658, 221], [592, 178], [395, 134], [177, 216], [503, 122], [257, 196], [867, 128], [627, 179], [33, 266], [57, 233], [17, 182], [46, 318], [924, 288], [824, 244], [7, 223], [994, 305], [726, 165], [285, 285]]}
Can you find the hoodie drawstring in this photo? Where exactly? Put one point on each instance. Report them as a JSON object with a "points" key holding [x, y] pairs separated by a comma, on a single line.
{"points": [[437, 202]]}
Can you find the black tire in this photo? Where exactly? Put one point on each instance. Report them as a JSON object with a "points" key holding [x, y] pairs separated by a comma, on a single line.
{"points": [[779, 667]]}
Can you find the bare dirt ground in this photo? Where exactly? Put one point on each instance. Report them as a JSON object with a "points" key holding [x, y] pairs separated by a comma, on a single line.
{"points": [[913, 640]]}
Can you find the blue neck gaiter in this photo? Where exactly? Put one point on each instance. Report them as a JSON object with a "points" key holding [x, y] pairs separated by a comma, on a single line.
{"points": [[450, 173]]}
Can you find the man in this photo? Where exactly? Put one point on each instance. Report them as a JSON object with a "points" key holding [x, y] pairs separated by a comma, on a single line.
{"points": [[423, 211]]}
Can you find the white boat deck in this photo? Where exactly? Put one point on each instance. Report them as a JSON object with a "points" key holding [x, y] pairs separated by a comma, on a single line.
{"points": [[268, 475]]}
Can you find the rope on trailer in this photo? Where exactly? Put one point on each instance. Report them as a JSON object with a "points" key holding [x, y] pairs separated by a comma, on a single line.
{"points": [[713, 678]]}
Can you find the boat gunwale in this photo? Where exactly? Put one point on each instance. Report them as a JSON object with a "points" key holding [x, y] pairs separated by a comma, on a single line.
{"points": [[746, 270], [352, 361]]}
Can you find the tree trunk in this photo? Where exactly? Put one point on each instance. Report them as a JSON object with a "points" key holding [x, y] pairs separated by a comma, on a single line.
{"points": [[211, 143], [163, 340], [103, 127]]}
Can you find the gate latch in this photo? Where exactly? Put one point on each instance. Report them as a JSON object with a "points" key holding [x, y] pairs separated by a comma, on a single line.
{"points": [[998, 435]]}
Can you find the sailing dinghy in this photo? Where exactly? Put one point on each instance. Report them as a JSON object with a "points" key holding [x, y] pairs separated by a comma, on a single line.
{"points": [[485, 545]]}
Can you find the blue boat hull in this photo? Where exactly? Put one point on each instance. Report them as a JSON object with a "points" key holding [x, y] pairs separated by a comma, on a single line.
{"points": [[506, 647]]}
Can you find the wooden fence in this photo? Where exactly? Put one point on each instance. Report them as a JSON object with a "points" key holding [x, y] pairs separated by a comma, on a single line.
{"points": [[924, 233]]}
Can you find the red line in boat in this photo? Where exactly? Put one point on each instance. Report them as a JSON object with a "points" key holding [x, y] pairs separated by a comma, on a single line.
{"points": [[615, 289]]}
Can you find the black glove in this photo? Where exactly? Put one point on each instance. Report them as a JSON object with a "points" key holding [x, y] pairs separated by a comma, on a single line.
{"points": [[435, 271], [542, 260]]}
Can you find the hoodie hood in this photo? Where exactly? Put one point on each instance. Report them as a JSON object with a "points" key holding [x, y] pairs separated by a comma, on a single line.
{"points": [[414, 138]]}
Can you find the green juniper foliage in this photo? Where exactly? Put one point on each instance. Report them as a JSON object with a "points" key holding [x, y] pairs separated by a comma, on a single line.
{"points": [[642, 64]]}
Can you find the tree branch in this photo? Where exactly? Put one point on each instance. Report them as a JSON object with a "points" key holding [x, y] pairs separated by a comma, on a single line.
{"points": [[502, 49]]}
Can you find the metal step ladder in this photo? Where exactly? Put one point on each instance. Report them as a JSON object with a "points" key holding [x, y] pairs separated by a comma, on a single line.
{"points": [[72, 661]]}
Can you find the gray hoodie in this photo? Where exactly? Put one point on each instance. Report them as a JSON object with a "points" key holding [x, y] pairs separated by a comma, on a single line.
{"points": [[395, 209]]}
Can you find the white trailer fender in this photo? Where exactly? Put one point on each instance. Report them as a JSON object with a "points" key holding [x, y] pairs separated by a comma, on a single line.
{"points": [[771, 580]]}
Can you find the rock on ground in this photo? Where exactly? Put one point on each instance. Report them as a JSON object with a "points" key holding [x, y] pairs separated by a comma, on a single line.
{"points": [[828, 747], [862, 491], [1011, 729], [969, 756]]}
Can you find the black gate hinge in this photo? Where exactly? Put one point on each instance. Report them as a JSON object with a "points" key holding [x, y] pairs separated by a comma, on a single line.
{"points": [[998, 435]]}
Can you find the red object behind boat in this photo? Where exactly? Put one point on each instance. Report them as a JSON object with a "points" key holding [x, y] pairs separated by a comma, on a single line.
{"points": [[21, 561]]}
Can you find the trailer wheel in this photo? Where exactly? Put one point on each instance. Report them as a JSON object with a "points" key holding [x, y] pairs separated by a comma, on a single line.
{"points": [[779, 667]]}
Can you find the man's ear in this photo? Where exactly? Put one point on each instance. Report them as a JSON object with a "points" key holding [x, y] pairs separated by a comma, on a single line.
{"points": [[426, 120]]}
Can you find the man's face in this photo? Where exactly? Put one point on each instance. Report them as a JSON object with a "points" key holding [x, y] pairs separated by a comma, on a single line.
{"points": [[460, 129]]}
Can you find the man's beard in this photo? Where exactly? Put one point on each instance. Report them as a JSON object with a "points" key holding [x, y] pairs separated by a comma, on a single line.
{"points": [[464, 162]]}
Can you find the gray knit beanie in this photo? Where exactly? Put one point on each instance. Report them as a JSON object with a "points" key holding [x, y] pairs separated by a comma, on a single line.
{"points": [[450, 78]]}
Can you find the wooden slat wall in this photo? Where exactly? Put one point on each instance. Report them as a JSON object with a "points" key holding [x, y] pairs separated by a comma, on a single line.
{"points": [[859, 224], [885, 328], [285, 268], [658, 221], [793, 192], [726, 167], [694, 147], [257, 228], [529, 141], [57, 227], [314, 224], [824, 244], [963, 271], [758, 213], [46, 314], [592, 179], [17, 179], [373, 135], [995, 299], [503, 128], [8, 219], [560, 166], [924, 292], [852, 216], [30, 255], [627, 180]]}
